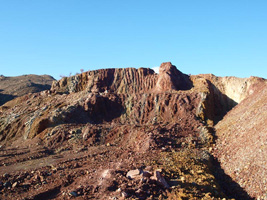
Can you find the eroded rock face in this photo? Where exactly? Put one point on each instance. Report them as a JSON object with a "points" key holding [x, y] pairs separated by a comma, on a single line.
{"points": [[36, 113], [125, 96], [170, 78], [221, 94], [128, 80]]}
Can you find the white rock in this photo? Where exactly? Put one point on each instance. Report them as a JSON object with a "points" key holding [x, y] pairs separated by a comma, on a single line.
{"points": [[132, 174]]}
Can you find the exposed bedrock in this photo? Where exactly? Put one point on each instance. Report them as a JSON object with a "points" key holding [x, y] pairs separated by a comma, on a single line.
{"points": [[131, 96], [130, 80], [221, 94]]}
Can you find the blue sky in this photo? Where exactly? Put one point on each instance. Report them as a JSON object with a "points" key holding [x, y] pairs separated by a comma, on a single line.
{"points": [[59, 37]]}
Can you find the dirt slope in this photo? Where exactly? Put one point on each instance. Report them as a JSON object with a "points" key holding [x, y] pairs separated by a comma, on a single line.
{"points": [[11, 87], [242, 142]]}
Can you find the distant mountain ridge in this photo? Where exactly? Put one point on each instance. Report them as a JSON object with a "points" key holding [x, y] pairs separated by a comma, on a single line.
{"points": [[11, 87]]}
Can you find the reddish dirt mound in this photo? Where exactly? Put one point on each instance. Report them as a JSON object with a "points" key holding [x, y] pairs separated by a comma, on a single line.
{"points": [[242, 142]]}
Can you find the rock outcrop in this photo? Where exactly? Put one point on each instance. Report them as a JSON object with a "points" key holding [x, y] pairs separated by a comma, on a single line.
{"points": [[118, 81], [125, 96], [221, 94], [170, 78], [130, 80]]}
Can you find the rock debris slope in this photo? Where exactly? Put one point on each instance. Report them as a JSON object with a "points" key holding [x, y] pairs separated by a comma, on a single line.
{"points": [[242, 142], [117, 134], [11, 87]]}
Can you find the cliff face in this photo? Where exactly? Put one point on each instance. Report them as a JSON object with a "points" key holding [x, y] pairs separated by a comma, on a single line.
{"points": [[112, 80], [221, 94], [112, 120], [123, 81]]}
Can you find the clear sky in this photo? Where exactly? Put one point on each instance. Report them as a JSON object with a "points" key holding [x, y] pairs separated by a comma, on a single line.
{"points": [[59, 37]]}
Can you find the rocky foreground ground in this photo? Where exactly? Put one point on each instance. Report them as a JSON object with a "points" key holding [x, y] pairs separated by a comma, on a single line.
{"points": [[130, 134]]}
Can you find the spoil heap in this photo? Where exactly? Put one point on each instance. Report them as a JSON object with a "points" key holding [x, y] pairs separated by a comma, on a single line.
{"points": [[242, 142], [115, 133]]}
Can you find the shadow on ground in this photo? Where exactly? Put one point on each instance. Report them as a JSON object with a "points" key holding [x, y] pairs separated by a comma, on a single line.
{"points": [[230, 188]]}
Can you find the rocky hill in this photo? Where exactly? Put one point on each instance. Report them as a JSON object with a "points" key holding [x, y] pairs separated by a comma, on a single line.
{"points": [[120, 134], [11, 87]]}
